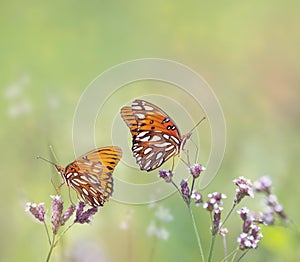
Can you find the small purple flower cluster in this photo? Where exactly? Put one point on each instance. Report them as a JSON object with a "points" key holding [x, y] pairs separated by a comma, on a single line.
{"points": [[196, 170], [166, 175], [84, 216], [244, 189], [38, 211], [197, 196], [185, 190], [214, 204], [251, 234], [58, 218], [263, 185]]}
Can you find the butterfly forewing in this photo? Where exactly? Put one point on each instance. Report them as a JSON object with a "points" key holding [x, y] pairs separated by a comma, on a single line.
{"points": [[155, 137], [91, 174]]}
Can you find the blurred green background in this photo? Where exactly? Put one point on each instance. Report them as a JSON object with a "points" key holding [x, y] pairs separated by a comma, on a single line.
{"points": [[50, 51]]}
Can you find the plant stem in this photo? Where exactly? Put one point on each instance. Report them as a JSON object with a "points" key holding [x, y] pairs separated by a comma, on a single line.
{"points": [[51, 248], [211, 248], [229, 213], [47, 231], [197, 233], [192, 187], [61, 235], [244, 254]]}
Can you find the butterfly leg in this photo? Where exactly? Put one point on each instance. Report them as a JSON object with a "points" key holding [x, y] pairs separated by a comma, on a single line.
{"points": [[70, 196]]}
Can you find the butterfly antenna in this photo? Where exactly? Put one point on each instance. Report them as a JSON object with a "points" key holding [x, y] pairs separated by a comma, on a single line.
{"points": [[52, 163], [203, 118], [53, 153]]}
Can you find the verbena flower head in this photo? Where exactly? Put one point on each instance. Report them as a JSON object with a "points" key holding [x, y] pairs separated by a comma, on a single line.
{"points": [[250, 240], [214, 201], [244, 189], [217, 220], [244, 212], [185, 191], [223, 231], [57, 208], [263, 185], [166, 175], [38, 211], [273, 203], [69, 212], [84, 216], [197, 196], [196, 170]]}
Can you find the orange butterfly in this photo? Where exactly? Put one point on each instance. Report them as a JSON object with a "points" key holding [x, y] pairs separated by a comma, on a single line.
{"points": [[155, 137], [91, 174]]}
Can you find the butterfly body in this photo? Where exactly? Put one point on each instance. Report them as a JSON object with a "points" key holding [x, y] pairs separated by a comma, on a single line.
{"points": [[155, 137], [91, 174]]}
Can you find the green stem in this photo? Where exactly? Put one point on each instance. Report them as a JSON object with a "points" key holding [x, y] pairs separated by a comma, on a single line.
{"points": [[61, 235], [211, 248], [244, 254], [51, 248], [197, 233], [229, 213], [47, 231], [192, 187]]}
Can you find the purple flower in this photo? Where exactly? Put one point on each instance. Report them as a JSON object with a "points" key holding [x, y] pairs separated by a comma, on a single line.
{"points": [[38, 211], [196, 170], [166, 175], [185, 191], [69, 212], [244, 212], [251, 235], [273, 203], [214, 201], [84, 216], [216, 220], [244, 189], [197, 196], [263, 185], [57, 208], [223, 231], [251, 239]]}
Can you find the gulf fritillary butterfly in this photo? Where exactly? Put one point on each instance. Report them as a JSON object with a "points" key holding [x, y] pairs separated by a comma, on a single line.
{"points": [[90, 175], [155, 137]]}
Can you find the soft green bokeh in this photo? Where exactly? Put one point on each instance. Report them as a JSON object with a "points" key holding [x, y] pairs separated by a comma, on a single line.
{"points": [[50, 51]]}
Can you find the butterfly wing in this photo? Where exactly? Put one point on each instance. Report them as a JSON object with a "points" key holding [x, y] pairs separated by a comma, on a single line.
{"points": [[91, 174], [155, 137]]}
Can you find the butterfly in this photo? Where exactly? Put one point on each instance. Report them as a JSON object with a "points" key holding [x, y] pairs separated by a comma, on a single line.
{"points": [[90, 175], [155, 136]]}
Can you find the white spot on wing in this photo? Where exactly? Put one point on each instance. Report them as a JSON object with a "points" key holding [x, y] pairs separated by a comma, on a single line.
{"points": [[142, 133], [136, 107], [158, 156], [169, 148], [155, 138], [163, 144], [145, 139], [175, 139], [147, 164], [166, 136], [140, 116], [85, 191], [147, 150], [150, 155], [148, 108], [138, 148]]}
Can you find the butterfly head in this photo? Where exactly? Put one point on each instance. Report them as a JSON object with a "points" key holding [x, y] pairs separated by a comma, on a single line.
{"points": [[60, 169]]}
